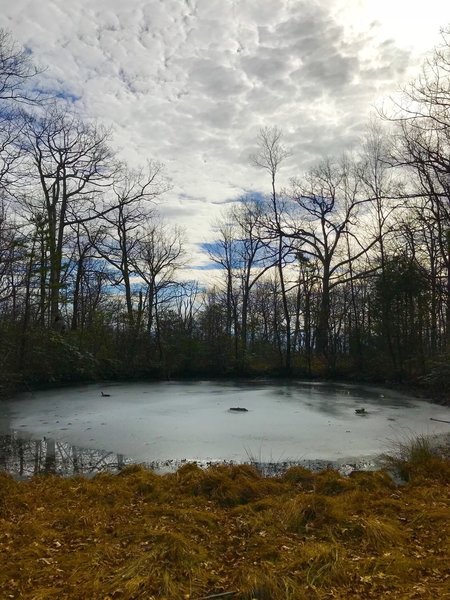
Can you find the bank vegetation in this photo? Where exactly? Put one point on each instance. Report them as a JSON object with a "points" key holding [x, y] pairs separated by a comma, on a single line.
{"points": [[230, 532]]}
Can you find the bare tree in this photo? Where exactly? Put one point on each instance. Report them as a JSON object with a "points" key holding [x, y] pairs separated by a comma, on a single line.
{"points": [[12, 253], [245, 253], [385, 186], [158, 254], [270, 156], [422, 146], [222, 252], [73, 163], [16, 69], [133, 195], [328, 208]]}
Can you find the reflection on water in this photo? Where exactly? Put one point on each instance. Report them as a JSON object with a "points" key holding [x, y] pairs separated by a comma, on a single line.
{"points": [[24, 457], [82, 430]]}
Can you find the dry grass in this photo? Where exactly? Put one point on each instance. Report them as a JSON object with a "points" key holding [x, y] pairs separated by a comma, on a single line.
{"points": [[415, 457], [196, 533]]}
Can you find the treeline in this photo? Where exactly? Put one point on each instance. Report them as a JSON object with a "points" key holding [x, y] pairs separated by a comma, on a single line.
{"points": [[346, 273]]}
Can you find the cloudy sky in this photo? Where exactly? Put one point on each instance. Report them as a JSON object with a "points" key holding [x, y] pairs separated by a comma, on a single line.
{"points": [[191, 82]]}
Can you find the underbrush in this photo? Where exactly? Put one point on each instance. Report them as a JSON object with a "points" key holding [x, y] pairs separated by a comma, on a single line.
{"points": [[418, 458], [196, 533]]}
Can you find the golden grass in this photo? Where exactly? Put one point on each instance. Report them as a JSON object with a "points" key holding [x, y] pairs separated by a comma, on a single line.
{"points": [[194, 533]]}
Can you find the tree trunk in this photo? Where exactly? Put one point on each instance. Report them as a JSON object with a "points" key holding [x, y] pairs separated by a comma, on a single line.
{"points": [[324, 317]]}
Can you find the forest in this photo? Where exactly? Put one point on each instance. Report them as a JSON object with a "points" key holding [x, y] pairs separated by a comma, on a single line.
{"points": [[344, 274]]}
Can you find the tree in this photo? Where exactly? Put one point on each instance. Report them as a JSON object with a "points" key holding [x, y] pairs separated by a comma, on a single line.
{"points": [[73, 163], [222, 252], [134, 192], [328, 208], [87, 275], [244, 252], [16, 69], [384, 185], [158, 254], [403, 289], [270, 156], [422, 146]]}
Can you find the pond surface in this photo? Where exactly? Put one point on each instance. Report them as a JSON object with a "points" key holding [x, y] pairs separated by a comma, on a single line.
{"points": [[168, 423]]}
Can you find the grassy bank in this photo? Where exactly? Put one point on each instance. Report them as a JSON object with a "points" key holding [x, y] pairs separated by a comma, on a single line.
{"points": [[196, 533]]}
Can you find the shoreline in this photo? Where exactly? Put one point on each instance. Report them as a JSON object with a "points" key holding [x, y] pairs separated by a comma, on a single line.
{"points": [[31, 460], [405, 388]]}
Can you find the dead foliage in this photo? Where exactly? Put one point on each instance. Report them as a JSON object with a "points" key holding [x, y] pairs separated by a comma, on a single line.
{"points": [[227, 532]]}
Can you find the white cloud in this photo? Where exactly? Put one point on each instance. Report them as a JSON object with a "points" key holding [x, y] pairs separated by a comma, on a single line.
{"points": [[190, 82]]}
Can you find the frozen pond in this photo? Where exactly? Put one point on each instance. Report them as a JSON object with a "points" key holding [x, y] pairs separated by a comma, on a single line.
{"points": [[177, 421]]}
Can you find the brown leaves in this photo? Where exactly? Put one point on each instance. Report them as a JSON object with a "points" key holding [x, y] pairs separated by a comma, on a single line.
{"points": [[197, 533]]}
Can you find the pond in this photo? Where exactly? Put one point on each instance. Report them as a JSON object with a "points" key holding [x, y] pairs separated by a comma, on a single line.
{"points": [[94, 427]]}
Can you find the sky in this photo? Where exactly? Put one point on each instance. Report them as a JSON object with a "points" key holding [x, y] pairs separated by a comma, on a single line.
{"points": [[191, 82]]}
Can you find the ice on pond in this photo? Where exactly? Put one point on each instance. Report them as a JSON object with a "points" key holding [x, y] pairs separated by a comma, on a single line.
{"points": [[178, 421]]}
